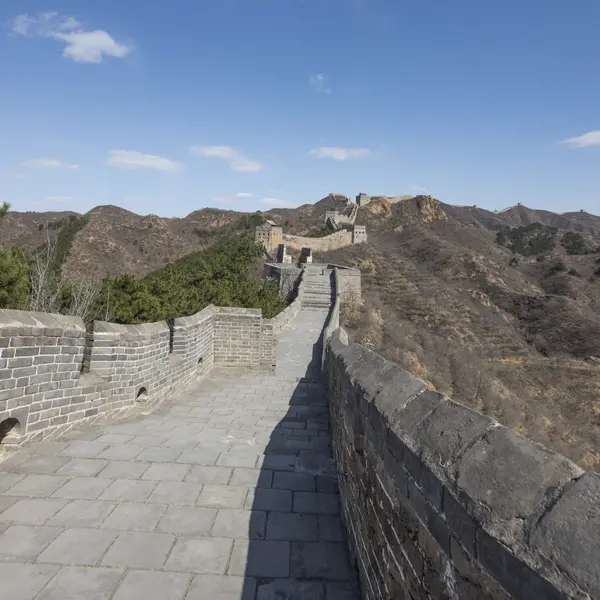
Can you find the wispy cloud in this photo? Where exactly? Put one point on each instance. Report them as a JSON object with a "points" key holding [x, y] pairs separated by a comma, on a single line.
{"points": [[339, 154], [48, 163], [131, 159], [419, 189], [592, 138], [236, 160], [79, 45], [243, 195], [277, 202], [223, 199], [318, 83]]}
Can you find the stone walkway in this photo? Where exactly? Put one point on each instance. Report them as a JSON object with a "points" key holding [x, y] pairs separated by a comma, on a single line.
{"points": [[227, 493]]}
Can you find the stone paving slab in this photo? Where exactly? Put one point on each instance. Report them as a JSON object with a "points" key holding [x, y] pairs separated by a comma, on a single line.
{"points": [[227, 493]]}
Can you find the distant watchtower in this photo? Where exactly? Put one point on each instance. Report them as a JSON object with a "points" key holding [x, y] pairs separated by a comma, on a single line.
{"points": [[269, 235], [359, 234], [363, 199]]}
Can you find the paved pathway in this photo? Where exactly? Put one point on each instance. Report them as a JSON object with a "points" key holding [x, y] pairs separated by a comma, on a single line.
{"points": [[227, 493]]}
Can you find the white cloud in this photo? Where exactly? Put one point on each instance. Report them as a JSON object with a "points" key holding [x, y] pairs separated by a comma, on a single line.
{"points": [[80, 45], [131, 159], [277, 202], [339, 154], [237, 162], [48, 163], [592, 138], [419, 189], [243, 195], [223, 199], [318, 83]]}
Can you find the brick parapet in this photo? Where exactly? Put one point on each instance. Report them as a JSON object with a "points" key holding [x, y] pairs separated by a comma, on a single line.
{"points": [[55, 374], [443, 502]]}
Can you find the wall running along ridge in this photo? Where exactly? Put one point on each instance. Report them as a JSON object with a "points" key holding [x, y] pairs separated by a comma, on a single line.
{"points": [[442, 502], [339, 239], [55, 375]]}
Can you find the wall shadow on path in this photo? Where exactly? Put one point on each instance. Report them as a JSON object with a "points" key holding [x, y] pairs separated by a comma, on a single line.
{"points": [[297, 548]]}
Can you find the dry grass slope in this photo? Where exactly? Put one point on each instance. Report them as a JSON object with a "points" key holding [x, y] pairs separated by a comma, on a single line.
{"points": [[442, 300]]}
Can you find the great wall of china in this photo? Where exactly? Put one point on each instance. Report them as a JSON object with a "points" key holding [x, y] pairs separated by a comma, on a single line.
{"points": [[437, 501]]}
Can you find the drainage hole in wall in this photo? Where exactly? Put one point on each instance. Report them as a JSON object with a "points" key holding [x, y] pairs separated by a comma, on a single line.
{"points": [[10, 427], [199, 361], [142, 395]]}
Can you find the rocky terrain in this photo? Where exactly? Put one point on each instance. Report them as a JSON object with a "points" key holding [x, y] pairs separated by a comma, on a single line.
{"points": [[112, 240], [516, 337]]}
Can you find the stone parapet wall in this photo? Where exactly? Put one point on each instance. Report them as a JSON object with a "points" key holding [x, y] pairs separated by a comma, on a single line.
{"points": [[55, 375], [288, 314], [238, 336], [285, 275], [443, 502], [348, 281], [339, 239]]}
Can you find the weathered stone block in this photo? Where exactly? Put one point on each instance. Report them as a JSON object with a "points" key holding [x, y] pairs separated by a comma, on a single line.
{"points": [[569, 534], [504, 477], [514, 575]]}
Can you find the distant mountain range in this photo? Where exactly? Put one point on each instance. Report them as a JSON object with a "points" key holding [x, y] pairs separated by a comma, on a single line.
{"points": [[113, 240]]}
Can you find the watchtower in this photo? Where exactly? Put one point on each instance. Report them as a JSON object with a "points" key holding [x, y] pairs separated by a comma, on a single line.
{"points": [[359, 234]]}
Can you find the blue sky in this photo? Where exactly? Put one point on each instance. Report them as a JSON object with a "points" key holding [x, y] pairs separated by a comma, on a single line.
{"points": [[167, 107]]}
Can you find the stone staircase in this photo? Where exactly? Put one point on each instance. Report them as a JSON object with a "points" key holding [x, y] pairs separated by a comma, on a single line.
{"points": [[319, 289]]}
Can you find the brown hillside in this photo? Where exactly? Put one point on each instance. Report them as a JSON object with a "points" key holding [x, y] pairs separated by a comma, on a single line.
{"points": [[28, 229], [518, 342]]}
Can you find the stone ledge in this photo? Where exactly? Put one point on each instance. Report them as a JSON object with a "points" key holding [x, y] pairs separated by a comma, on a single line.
{"points": [[38, 322], [525, 515], [195, 319]]}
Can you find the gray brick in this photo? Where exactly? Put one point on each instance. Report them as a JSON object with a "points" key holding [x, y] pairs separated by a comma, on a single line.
{"points": [[32, 512], [23, 542], [269, 500], [139, 550], [78, 546], [187, 520], [267, 559], [323, 560], [83, 488], [238, 523], [294, 481], [82, 513], [310, 502], [152, 585], [36, 485], [200, 555], [219, 587], [74, 583], [23, 581], [134, 516], [292, 527]]}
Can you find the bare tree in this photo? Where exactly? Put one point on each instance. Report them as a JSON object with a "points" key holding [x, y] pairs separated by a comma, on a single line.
{"points": [[83, 300], [351, 305], [46, 286]]}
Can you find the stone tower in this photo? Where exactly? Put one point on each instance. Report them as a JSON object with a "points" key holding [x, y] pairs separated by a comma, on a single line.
{"points": [[359, 234], [269, 235]]}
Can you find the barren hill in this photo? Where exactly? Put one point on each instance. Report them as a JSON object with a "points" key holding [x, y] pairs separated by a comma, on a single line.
{"points": [[112, 240], [513, 336]]}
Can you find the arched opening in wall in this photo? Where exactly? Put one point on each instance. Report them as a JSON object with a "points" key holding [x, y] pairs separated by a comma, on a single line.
{"points": [[9, 428], [142, 395], [200, 361]]}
